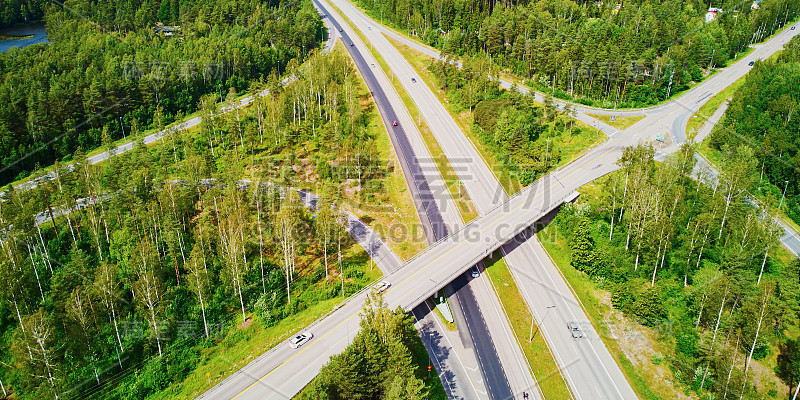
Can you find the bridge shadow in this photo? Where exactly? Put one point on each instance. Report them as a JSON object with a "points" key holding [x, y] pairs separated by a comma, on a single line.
{"points": [[434, 343], [537, 226]]}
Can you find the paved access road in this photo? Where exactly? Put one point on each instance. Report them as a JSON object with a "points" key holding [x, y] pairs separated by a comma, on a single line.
{"points": [[447, 259]]}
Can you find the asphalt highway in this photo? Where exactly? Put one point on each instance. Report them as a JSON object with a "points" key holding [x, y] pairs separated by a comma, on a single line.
{"points": [[426, 273]]}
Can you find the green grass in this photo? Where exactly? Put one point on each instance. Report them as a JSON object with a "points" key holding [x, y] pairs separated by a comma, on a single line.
{"points": [[584, 289], [619, 122], [538, 354], [450, 326], [432, 381], [420, 62], [465, 206], [571, 146], [12, 37], [706, 110], [241, 345], [400, 227]]}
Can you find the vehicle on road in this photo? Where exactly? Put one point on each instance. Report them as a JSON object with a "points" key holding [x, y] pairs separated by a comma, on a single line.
{"points": [[382, 286], [751, 63], [574, 329], [413, 80], [340, 29], [792, 28], [475, 271], [351, 44], [300, 339], [394, 123]]}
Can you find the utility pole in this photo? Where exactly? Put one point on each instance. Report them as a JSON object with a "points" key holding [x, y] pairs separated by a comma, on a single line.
{"points": [[783, 195], [530, 336], [547, 155]]}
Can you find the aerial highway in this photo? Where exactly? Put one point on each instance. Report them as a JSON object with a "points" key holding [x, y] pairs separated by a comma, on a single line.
{"points": [[427, 272], [503, 365], [586, 365]]}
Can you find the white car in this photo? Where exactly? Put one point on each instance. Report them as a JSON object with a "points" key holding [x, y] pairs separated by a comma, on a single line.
{"points": [[300, 339], [475, 271], [382, 286], [574, 329]]}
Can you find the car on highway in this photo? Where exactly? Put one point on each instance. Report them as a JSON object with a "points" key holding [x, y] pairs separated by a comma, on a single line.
{"points": [[300, 339], [382, 286], [351, 44], [394, 123], [751, 63], [475, 272], [574, 329], [340, 29], [413, 80], [793, 28]]}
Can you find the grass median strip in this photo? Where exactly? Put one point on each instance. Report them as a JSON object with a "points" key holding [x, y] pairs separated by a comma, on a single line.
{"points": [[538, 354], [420, 61], [454, 186], [620, 122]]}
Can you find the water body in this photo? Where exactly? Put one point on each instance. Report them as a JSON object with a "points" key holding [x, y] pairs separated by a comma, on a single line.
{"points": [[38, 32]]}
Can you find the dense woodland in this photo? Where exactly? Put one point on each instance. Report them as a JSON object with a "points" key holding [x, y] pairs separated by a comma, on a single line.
{"points": [[763, 116], [605, 53], [379, 363], [528, 138], [105, 67], [173, 250], [695, 261], [21, 11]]}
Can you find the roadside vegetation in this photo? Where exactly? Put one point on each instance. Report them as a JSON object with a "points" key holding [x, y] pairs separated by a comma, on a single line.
{"points": [[386, 360], [176, 267], [620, 122], [461, 198], [710, 299], [537, 352], [762, 115], [607, 54], [106, 69], [528, 139]]}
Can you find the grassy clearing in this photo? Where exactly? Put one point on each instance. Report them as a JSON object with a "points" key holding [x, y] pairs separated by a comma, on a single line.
{"points": [[574, 146], [620, 122], [460, 197], [538, 354], [420, 62]]}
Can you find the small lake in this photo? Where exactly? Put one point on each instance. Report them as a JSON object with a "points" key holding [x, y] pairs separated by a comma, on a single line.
{"points": [[38, 32]]}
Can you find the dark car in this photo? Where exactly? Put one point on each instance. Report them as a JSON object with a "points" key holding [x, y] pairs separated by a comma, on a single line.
{"points": [[475, 272], [751, 63], [793, 28], [340, 29], [414, 80], [351, 44]]}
